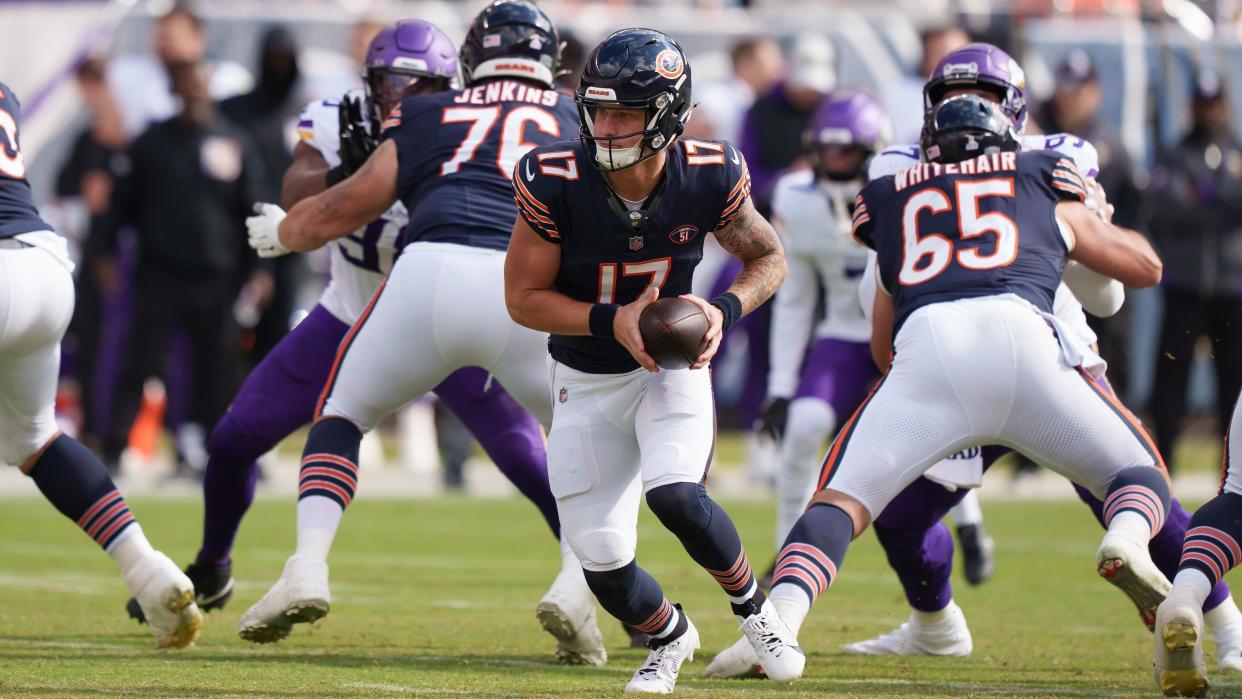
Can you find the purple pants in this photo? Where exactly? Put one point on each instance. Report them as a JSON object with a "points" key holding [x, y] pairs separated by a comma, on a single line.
{"points": [[756, 325], [838, 372], [279, 396], [920, 548]]}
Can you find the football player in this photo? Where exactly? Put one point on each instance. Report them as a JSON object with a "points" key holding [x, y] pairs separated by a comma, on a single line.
{"points": [[1211, 550], [446, 157], [918, 545], [970, 249], [609, 223], [411, 57], [36, 303]]}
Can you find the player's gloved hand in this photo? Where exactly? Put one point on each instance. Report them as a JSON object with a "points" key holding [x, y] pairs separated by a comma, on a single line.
{"points": [[356, 144], [773, 418], [715, 330], [264, 230], [625, 328], [1097, 200]]}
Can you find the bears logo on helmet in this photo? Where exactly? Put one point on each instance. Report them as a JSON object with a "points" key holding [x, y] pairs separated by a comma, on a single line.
{"points": [[669, 64]]}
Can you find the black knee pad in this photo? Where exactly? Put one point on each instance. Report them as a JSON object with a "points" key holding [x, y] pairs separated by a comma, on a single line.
{"points": [[683, 508], [613, 588]]}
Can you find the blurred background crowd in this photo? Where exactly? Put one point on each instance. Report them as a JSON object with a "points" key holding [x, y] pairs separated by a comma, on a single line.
{"points": [[150, 129]]}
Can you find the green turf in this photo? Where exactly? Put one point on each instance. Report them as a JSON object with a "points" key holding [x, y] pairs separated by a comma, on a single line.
{"points": [[436, 597]]}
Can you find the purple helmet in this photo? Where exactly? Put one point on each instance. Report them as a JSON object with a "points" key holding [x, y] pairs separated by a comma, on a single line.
{"points": [[983, 66], [849, 119], [403, 54]]}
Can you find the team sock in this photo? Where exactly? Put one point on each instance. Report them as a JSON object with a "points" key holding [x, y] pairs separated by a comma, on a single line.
{"points": [[710, 538], [228, 486], [808, 563], [78, 485], [328, 479], [1211, 549], [1137, 501], [631, 595]]}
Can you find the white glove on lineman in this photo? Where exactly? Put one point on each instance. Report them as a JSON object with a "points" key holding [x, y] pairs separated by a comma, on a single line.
{"points": [[263, 229]]}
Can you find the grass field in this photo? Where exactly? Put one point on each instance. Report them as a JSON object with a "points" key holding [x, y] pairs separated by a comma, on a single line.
{"points": [[436, 597]]}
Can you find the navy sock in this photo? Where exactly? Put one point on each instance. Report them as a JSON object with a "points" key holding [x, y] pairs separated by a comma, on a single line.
{"points": [[330, 461], [710, 538], [814, 550], [631, 595], [1212, 540], [75, 481], [1141, 489]]}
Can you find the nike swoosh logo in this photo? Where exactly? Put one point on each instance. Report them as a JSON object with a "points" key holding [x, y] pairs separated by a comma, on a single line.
{"points": [[530, 176], [734, 157]]}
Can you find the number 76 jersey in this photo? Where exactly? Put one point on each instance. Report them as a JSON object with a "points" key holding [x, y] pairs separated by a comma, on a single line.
{"points": [[981, 227]]}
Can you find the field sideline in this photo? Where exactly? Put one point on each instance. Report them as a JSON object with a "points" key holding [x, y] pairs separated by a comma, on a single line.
{"points": [[436, 598]]}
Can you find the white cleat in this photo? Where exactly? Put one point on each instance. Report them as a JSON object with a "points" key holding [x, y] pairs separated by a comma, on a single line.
{"points": [[1229, 656], [300, 596], [738, 660], [166, 596], [774, 644], [1178, 665], [1127, 564], [658, 674], [948, 637], [567, 611]]}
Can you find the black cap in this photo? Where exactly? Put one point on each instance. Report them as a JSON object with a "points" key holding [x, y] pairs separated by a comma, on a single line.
{"points": [[1208, 86], [1076, 69]]}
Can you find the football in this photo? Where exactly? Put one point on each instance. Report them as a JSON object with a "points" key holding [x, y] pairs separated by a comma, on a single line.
{"points": [[674, 332]]}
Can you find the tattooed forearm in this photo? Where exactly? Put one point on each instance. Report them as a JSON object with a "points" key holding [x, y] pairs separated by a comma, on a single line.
{"points": [[751, 239], [345, 207]]}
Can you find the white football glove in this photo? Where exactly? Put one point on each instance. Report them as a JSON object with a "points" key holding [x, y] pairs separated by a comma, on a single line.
{"points": [[263, 230]]}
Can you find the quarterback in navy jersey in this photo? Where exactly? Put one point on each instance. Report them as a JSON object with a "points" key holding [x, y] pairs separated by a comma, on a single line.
{"points": [[447, 157], [607, 225], [36, 304], [970, 246]]}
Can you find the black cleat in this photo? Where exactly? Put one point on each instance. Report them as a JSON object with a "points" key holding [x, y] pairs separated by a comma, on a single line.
{"points": [[213, 587], [978, 563]]}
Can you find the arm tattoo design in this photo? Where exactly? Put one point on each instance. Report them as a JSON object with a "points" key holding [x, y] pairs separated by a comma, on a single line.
{"points": [[751, 239]]}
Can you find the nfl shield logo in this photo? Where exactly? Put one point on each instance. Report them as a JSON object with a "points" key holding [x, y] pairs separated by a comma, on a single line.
{"points": [[636, 242], [563, 396]]}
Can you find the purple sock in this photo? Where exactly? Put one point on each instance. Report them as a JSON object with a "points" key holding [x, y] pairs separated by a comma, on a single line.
{"points": [[918, 545], [1166, 545], [277, 398], [510, 435]]}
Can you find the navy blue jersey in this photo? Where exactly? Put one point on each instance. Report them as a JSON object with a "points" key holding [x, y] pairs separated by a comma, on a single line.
{"points": [[977, 228], [604, 257], [456, 151], [17, 209]]}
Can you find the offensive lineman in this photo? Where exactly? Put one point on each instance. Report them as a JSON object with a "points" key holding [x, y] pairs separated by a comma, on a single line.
{"points": [[608, 223], [36, 303], [410, 57], [918, 545], [447, 157], [969, 328]]}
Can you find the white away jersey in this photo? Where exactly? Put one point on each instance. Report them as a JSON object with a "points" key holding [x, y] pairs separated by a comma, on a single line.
{"points": [[1066, 307], [361, 260], [814, 224]]}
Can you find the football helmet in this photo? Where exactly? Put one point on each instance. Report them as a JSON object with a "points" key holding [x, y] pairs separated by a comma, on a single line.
{"points": [[967, 126], [847, 121], [983, 66], [511, 38], [634, 69]]}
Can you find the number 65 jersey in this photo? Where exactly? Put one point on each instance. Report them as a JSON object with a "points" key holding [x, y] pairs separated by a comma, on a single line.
{"points": [[981, 227], [612, 255]]}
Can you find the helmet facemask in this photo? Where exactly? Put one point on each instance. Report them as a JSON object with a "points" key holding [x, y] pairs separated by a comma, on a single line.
{"points": [[386, 87], [661, 127]]}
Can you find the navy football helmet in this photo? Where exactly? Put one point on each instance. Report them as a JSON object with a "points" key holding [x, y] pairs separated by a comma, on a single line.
{"points": [[511, 38], [967, 126], [635, 69]]}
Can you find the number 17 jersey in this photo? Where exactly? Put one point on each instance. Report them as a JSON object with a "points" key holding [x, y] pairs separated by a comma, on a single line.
{"points": [[613, 256], [981, 227]]}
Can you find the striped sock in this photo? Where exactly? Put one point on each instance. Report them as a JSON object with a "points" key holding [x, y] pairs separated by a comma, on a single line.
{"points": [[1211, 545], [327, 482], [77, 484], [1141, 491], [631, 595], [813, 552]]}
